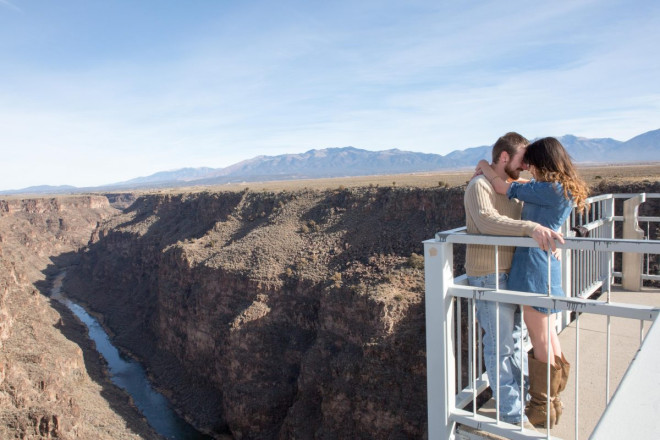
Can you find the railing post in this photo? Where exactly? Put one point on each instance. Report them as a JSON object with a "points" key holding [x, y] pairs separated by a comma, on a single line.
{"points": [[440, 358], [566, 273], [607, 231], [631, 272]]}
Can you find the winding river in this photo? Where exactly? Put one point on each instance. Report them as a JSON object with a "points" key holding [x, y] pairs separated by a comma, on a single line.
{"points": [[129, 375]]}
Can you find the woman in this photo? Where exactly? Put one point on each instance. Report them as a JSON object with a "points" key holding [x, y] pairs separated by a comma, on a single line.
{"points": [[548, 200]]}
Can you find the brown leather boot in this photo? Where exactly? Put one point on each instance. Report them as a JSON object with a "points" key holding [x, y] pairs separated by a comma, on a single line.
{"points": [[565, 367], [537, 408]]}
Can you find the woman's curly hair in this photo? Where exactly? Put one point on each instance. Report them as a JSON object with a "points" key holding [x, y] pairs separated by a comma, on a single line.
{"points": [[553, 164]]}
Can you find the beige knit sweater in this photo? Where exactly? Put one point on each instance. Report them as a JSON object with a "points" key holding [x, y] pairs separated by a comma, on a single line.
{"points": [[487, 212]]}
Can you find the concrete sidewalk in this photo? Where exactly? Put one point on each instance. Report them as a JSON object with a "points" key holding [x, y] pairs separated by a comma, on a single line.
{"points": [[624, 343], [591, 397]]}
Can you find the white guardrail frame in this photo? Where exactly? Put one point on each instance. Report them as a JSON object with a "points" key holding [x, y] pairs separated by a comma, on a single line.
{"points": [[442, 287]]}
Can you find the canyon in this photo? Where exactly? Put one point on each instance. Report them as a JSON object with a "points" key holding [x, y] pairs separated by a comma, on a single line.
{"points": [[274, 315], [259, 314], [52, 385]]}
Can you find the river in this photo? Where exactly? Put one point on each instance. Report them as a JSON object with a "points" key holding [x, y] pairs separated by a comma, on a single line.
{"points": [[129, 375]]}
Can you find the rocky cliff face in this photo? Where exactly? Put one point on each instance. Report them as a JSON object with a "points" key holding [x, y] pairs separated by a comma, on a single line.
{"points": [[292, 315], [48, 388]]}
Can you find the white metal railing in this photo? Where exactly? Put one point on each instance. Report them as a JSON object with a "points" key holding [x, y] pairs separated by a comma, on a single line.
{"points": [[599, 220], [644, 223], [587, 265]]}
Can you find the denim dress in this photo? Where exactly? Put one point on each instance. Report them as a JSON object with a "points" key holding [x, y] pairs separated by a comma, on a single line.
{"points": [[544, 203]]}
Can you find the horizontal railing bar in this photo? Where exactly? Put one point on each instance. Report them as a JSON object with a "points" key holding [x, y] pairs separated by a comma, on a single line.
{"points": [[651, 277], [586, 243], [503, 429], [597, 307], [465, 396], [599, 198], [456, 230], [591, 288], [631, 195], [619, 275], [640, 219], [595, 224], [461, 280]]}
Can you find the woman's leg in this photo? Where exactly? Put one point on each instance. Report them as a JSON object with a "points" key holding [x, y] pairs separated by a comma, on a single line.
{"points": [[554, 338], [537, 410], [537, 326]]}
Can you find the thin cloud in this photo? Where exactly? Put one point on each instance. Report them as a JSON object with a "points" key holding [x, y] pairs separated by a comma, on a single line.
{"points": [[10, 5], [263, 79]]}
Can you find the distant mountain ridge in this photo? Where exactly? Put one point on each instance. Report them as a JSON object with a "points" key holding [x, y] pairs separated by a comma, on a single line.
{"points": [[350, 161], [43, 189]]}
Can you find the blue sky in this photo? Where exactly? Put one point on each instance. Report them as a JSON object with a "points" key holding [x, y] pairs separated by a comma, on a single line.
{"points": [[99, 91]]}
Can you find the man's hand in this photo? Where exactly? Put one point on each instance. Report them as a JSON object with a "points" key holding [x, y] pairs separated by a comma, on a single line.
{"points": [[546, 237]]}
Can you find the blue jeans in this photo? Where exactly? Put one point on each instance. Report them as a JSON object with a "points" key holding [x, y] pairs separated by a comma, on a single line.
{"points": [[511, 332]]}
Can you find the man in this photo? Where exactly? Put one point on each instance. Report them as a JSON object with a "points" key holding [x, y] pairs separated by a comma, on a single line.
{"points": [[489, 213]]}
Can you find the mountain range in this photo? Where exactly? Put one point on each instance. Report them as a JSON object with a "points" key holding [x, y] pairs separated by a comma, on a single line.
{"points": [[350, 161]]}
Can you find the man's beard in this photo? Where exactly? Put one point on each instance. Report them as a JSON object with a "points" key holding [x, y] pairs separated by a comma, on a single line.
{"points": [[511, 172]]}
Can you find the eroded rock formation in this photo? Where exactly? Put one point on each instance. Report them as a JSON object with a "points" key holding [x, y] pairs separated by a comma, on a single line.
{"points": [[275, 315], [48, 388]]}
